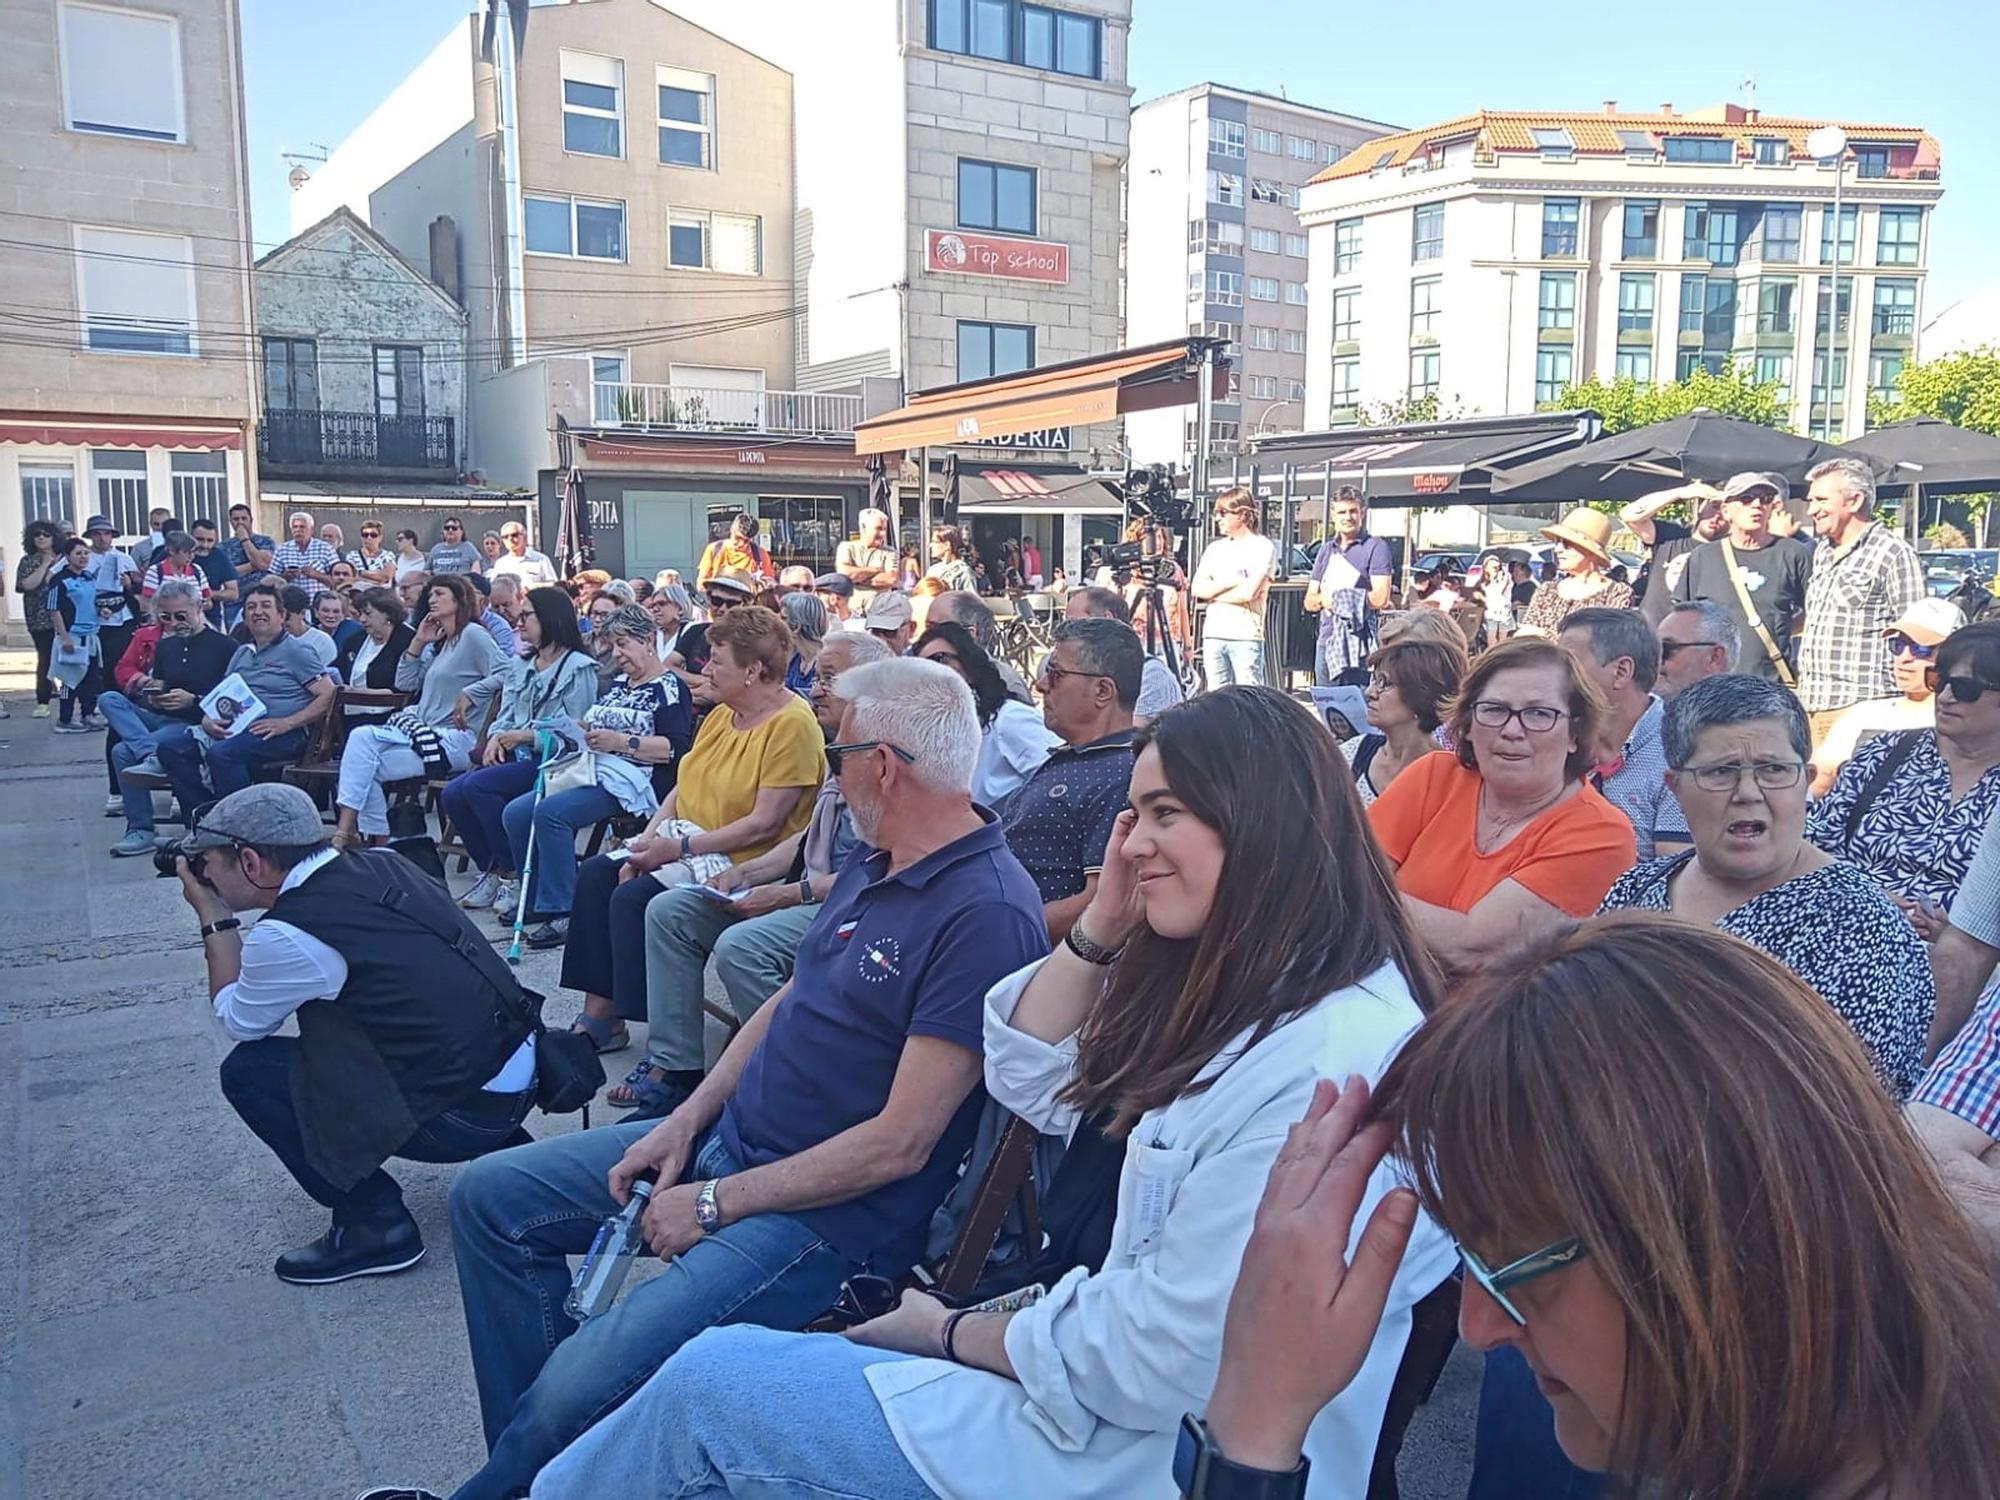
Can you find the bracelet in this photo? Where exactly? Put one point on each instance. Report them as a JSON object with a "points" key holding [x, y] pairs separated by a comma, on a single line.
{"points": [[687, 839], [951, 1331], [227, 924], [1085, 948]]}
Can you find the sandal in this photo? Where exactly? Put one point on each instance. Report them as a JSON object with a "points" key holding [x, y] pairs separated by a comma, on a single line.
{"points": [[645, 1088], [606, 1036]]}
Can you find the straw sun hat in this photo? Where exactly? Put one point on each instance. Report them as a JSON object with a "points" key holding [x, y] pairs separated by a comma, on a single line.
{"points": [[1587, 530]]}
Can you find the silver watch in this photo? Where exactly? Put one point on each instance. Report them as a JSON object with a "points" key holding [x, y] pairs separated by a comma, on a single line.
{"points": [[706, 1214]]}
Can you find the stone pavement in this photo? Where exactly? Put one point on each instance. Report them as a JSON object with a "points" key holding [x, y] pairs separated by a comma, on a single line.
{"points": [[146, 1350]]}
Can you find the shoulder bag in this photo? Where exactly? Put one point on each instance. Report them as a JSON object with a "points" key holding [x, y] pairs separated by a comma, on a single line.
{"points": [[1756, 620], [1905, 746]]}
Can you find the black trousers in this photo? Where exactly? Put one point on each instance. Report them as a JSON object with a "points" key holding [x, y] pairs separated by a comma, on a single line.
{"points": [[45, 645], [606, 951], [256, 1080]]}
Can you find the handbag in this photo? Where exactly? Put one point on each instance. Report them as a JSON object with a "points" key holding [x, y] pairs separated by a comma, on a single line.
{"points": [[579, 770]]}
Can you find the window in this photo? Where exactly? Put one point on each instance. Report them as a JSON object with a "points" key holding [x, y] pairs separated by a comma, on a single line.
{"points": [[1694, 298], [1782, 233], [1825, 297], [1346, 382], [121, 73], [994, 349], [1263, 289], [993, 196], [1559, 227], [120, 479], [1347, 315], [1302, 149], [1225, 288], [1709, 233], [1033, 36], [1775, 369], [1290, 196], [1266, 190], [1638, 145], [1871, 161], [1898, 236], [1267, 140], [1295, 390], [48, 493], [1295, 341], [687, 118], [1261, 387], [1714, 362], [291, 375], [1423, 373], [579, 227], [1295, 244], [1427, 232], [1777, 305], [1708, 149], [1718, 317], [1848, 218], [1552, 367], [1330, 152], [1771, 151], [1554, 143], [1896, 307], [1295, 293], [1265, 241], [136, 291], [1635, 302], [593, 97], [1831, 392], [201, 485], [1642, 229], [399, 380], [1558, 301], [1346, 246], [607, 373], [1426, 301], [1263, 338], [1225, 187], [730, 243], [1885, 375], [1229, 332], [1225, 137], [1635, 364], [1215, 237]]}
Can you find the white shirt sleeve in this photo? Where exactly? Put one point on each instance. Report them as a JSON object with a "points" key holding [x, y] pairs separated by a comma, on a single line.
{"points": [[1024, 1073], [283, 968]]}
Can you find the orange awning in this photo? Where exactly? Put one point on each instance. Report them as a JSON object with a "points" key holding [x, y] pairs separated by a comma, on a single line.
{"points": [[1074, 394]]}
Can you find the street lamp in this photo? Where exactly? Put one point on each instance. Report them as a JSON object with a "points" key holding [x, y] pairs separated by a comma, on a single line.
{"points": [[1829, 143]]}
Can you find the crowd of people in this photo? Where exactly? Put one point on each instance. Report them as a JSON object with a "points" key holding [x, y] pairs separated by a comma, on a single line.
{"points": [[1626, 979]]}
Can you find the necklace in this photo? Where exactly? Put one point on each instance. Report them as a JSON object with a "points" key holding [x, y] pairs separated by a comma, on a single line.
{"points": [[1492, 828]]}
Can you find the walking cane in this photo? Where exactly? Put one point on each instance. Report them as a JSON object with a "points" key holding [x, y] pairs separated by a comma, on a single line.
{"points": [[545, 744]]}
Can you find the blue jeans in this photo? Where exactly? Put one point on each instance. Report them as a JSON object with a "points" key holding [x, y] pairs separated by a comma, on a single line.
{"points": [[543, 1381], [474, 803], [1228, 662], [137, 730], [555, 822], [131, 723], [1515, 1455], [183, 749], [812, 1431]]}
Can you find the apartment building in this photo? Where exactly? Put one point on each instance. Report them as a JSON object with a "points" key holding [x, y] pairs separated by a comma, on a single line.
{"points": [[128, 380], [1496, 258], [1230, 165]]}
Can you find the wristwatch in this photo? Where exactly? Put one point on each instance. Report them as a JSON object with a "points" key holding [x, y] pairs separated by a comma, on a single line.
{"points": [[806, 896], [1204, 1474], [706, 1214], [632, 743]]}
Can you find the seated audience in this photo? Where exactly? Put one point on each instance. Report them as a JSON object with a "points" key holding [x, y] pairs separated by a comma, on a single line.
{"points": [[1159, 689], [1698, 638], [746, 784], [1410, 681], [1727, 1189], [1739, 749], [1909, 807], [831, 1128], [805, 617], [556, 679], [927, 592], [976, 615], [1014, 739], [299, 614], [836, 592], [1913, 640], [414, 1038], [1619, 652], [330, 613], [448, 652], [369, 660], [1502, 836], [794, 579], [414, 589], [892, 620], [1195, 1008], [496, 621], [1059, 819]]}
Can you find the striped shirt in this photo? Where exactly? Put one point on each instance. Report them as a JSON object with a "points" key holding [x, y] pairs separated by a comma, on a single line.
{"points": [[1856, 592], [315, 554], [1636, 784], [1965, 1079]]}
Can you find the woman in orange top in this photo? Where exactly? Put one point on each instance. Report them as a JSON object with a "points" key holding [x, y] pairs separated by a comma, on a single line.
{"points": [[1502, 838]]}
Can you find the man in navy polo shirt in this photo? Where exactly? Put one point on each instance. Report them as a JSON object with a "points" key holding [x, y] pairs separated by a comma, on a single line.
{"points": [[825, 1137], [1059, 820], [1349, 588]]}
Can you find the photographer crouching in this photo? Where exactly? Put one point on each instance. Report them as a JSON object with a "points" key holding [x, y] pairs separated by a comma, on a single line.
{"points": [[414, 1039]]}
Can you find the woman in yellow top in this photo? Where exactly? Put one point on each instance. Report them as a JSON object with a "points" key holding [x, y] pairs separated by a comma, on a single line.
{"points": [[740, 551], [748, 783]]}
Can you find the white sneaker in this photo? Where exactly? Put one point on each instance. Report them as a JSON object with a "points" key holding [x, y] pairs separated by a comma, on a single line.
{"points": [[506, 896], [481, 895], [41, 711], [114, 805]]}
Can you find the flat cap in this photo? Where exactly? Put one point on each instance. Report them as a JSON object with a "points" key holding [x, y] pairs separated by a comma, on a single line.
{"points": [[269, 813]]}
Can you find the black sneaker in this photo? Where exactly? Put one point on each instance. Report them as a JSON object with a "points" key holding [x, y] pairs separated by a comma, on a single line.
{"points": [[551, 934], [349, 1250]]}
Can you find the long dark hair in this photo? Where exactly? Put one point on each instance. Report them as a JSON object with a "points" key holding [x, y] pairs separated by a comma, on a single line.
{"points": [[555, 612], [470, 605], [1305, 904], [989, 688]]}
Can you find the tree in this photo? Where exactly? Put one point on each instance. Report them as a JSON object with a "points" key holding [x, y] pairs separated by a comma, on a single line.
{"points": [[1405, 410], [1626, 403], [1962, 389]]}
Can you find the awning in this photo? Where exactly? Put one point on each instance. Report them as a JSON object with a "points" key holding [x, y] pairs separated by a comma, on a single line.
{"points": [[100, 432], [750, 454], [1042, 490], [1419, 462], [1074, 394]]}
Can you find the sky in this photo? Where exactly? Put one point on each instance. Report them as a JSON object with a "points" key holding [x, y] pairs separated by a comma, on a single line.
{"points": [[315, 71]]}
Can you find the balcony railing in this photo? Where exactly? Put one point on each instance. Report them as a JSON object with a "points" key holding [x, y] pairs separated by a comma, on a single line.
{"points": [[301, 442], [695, 408]]}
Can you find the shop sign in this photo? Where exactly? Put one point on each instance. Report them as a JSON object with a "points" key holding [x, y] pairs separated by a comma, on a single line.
{"points": [[1041, 439], [1430, 484], [958, 253]]}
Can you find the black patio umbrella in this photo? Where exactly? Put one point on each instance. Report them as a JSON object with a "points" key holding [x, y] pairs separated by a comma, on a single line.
{"points": [[1931, 454], [1696, 445], [575, 547]]}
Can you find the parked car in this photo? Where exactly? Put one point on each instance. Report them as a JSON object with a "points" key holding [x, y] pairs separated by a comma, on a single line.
{"points": [[1947, 568]]}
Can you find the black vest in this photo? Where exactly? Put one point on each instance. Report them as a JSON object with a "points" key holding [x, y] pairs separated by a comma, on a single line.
{"points": [[429, 1012]]}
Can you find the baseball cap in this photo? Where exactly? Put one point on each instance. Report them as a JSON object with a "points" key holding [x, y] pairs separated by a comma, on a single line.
{"points": [[99, 523], [736, 581], [269, 813], [834, 583], [1751, 479], [889, 611], [1928, 621]]}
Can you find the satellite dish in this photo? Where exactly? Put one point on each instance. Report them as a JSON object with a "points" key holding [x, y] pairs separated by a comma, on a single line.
{"points": [[1828, 143], [298, 178]]}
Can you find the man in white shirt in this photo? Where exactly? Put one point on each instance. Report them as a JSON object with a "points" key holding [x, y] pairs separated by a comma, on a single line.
{"points": [[414, 1039], [522, 561], [1232, 578]]}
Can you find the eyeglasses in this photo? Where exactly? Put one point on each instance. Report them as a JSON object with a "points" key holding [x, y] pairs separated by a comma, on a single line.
{"points": [[723, 601], [1899, 643], [1496, 1283], [1771, 775], [835, 753], [1668, 648], [1052, 674], [1535, 719], [1377, 683], [370, 535], [1963, 689]]}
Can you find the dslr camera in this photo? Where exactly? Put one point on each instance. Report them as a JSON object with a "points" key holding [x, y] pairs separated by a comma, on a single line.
{"points": [[165, 855]]}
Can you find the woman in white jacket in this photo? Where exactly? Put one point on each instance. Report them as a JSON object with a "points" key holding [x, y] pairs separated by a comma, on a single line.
{"points": [[1244, 942]]}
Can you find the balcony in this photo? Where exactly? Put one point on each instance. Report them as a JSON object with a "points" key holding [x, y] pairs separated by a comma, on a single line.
{"points": [[335, 444], [693, 408]]}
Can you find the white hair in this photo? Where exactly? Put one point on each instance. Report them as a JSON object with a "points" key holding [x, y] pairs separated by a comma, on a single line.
{"points": [[300, 515], [923, 708], [174, 590], [861, 647], [870, 517], [1857, 480]]}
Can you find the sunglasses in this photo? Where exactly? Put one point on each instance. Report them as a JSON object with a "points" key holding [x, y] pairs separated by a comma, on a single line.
{"points": [[1496, 1283], [1963, 689], [725, 601], [1668, 648], [836, 753], [1899, 643]]}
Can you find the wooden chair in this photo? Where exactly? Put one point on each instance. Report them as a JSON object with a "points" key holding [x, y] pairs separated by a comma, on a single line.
{"points": [[1433, 1330], [622, 825], [318, 773], [448, 842]]}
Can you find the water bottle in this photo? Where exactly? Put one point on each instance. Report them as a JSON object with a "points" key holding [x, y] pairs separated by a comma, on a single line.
{"points": [[617, 1241]]}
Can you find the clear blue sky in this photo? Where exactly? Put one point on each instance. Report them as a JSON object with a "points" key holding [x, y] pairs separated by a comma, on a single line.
{"points": [[314, 71]]}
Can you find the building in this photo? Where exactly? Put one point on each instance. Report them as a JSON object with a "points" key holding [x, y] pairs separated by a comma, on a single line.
{"points": [[1229, 164], [1496, 258], [128, 380]]}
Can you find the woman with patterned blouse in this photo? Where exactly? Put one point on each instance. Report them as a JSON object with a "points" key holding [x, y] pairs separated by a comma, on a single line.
{"points": [[1583, 564]]}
